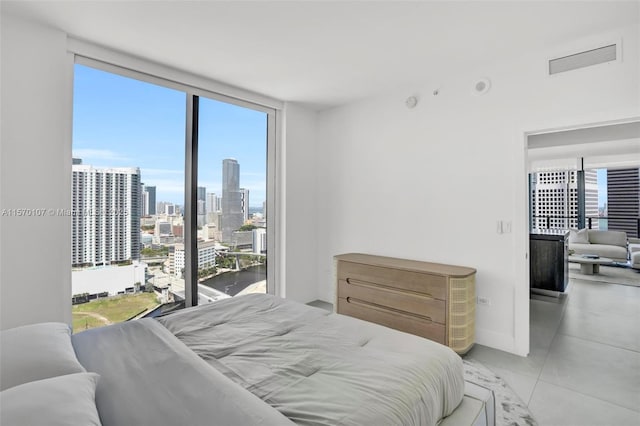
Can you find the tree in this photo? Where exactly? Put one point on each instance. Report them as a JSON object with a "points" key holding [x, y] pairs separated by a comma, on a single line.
{"points": [[247, 227], [151, 252]]}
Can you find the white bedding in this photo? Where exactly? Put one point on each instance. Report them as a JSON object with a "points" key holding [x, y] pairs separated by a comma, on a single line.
{"points": [[320, 368], [147, 377]]}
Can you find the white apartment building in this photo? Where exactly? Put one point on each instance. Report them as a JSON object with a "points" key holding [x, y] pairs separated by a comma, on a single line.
{"points": [[244, 194], [105, 215], [214, 203], [206, 256], [554, 199], [260, 240]]}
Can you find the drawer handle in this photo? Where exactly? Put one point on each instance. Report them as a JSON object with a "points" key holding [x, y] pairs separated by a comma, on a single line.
{"points": [[362, 283], [387, 309]]}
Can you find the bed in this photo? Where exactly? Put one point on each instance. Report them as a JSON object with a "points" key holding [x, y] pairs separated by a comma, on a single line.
{"points": [[262, 360]]}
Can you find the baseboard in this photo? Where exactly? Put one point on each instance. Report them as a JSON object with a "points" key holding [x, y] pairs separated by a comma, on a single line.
{"points": [[500, 341]]}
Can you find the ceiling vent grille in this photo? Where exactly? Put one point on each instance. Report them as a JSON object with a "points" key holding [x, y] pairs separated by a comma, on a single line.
{"points": [[600, 55]]}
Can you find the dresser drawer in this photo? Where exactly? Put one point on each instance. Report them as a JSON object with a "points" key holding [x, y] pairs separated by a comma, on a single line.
{"points": [[392, 319], [434, 286], [413, 303]]}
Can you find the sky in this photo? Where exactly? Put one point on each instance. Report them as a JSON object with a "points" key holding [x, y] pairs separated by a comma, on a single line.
{"points": [[122, 122], [602, 187]]}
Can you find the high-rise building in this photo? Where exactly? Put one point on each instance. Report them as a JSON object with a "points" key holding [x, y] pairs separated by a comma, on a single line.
{"points": [[201, 197], [213, 203], [260, 240], [151, 200], [554, 199], [106, 215], [623, 200], [591, 208], [232, 216], [144, 202], [244, 193], [206, 257], [201, 193]]}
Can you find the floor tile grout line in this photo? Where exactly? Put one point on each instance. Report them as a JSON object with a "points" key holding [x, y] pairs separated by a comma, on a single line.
{"points": [[600, 343], [553, 339], [587, 395]]}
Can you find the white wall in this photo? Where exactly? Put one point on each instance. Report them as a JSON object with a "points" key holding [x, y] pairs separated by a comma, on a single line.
{"points": [[35, 172], [430, 183], [300, 204]]}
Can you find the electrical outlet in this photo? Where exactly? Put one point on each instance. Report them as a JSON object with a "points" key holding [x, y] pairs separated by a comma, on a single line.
{"points": [[483, 301]]}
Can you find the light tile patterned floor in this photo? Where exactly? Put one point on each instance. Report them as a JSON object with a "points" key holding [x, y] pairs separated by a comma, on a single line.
{"points": [[584, 365]]}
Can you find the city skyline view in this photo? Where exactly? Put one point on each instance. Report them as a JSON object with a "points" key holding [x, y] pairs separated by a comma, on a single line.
{"points": [[122, 122], [128, 175]]}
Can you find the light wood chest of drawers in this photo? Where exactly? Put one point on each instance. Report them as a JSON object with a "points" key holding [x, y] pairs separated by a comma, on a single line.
{"points": [[431, 300]]}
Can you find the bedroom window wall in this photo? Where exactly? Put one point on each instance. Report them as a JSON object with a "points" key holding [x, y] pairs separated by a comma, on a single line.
{"points": [[170, 190]]}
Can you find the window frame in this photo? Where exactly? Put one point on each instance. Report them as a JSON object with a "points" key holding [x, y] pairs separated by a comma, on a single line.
{"points": [[194, 87]]}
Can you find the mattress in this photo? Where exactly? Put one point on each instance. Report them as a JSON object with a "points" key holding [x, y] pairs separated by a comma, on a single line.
{"points": [[316, 367], [476, 409]]}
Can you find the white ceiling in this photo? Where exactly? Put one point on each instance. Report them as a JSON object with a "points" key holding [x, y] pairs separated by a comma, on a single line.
{"points": [[325, 53]]}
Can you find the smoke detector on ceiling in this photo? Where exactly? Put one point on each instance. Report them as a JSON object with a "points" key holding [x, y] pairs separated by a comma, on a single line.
{"points": [[411, 102], [481, 86]]}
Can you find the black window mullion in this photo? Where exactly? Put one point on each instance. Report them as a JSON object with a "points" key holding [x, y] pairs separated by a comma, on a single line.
{"points": [[190, 203]]}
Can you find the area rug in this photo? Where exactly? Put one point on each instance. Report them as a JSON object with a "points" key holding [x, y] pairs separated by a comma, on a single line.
{"points": [[510, 410], [608, 274]]}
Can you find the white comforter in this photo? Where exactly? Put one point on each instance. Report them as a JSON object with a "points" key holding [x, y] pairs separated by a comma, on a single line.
{"points": [[318, 368], [149, 378]]}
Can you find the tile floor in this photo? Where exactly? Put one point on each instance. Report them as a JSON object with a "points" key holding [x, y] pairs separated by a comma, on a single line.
{"points": [[584, 363]]}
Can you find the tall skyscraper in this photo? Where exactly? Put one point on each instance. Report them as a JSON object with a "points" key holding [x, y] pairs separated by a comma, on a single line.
{"points": [[151, 199], [245, 204], [259, 240], [144, 201], [623, 200], [170, 209], [201, 193], [106, 215], [201, 196], [554, 199], [213, 203], [232, 216], [591, 208]]}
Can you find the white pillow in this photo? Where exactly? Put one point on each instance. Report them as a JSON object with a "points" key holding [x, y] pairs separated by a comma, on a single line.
{"points": [[59, 401], [35, 352], [580, 236]]}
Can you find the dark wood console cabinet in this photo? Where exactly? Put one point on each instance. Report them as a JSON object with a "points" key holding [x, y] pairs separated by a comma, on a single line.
{"points": [[549, 260]]}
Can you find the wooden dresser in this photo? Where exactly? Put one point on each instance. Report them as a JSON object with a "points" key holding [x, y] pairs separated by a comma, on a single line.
{"points": [[431, 300]]}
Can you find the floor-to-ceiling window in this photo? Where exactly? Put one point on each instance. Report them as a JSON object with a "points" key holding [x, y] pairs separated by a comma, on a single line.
{"points": [[231, 198], [136, 190]]}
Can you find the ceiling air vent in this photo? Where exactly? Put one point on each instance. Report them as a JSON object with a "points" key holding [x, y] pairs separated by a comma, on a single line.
{"points": [[583, 59]]}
